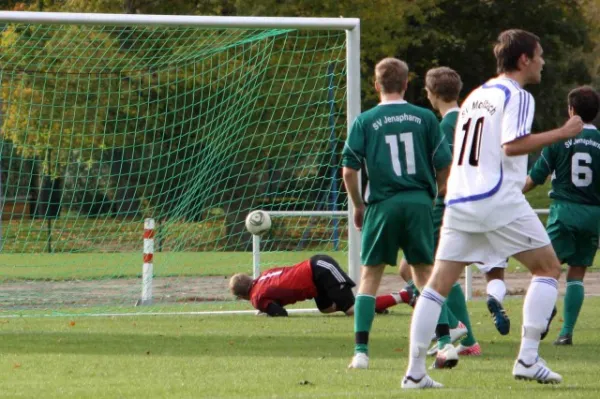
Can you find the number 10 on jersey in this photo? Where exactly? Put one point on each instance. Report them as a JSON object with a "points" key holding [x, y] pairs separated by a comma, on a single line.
{"points": [[409, 151], [476, 143]]}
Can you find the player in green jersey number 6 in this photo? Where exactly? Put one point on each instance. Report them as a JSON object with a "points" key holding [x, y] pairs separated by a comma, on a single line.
{"points": [[574, 221], [403, 152]]}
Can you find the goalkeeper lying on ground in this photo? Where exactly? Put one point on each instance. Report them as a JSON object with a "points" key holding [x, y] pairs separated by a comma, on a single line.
{"points": [[319, 277]]}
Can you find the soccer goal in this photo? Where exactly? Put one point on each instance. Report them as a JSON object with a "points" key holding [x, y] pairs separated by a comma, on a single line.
{"points": [[133, 147]]}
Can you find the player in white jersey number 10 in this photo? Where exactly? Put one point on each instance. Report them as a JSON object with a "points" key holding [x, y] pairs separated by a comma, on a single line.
{"points": [[487, 217]]}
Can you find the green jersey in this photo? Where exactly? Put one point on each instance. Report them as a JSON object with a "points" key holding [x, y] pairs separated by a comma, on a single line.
{"points": [[401, 145], [575, 168], [447, 125]]}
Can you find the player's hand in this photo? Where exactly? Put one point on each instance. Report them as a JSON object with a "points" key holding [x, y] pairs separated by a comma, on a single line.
{"points": [[359, 214], [573, 126]]}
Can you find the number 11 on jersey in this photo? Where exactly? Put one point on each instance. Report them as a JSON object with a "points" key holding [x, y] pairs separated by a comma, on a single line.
{"points": [[409, 150]]}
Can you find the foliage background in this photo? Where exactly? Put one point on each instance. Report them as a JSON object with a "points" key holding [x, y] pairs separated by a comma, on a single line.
{"points": [[424, 33]]}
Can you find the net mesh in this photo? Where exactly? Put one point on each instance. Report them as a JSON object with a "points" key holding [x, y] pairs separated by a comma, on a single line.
{"points": [[105, 126]]}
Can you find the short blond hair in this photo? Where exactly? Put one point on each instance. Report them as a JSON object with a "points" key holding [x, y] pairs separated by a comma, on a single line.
{"points": [[392, 75], [444, 83], [240, 284]]}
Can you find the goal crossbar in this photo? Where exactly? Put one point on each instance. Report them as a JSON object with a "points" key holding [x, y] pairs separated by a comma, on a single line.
{"points": [[177, 20]]}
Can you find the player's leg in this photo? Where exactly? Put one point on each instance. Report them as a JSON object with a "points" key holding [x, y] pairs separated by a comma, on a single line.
{"points": [[572, 304], [454, 246], [425, 319], [418, 244], [329, 309], [457, 305], [573, 230], [538, 309], [446, 355], [496, 291], [334, 287], [527, 240], [364, 313], [494, 276], [410, 290], [385, 301], [450, 327], [379, 247]]}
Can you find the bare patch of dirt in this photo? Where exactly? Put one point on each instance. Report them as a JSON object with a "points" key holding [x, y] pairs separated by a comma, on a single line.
{"points": [[125, 292]]}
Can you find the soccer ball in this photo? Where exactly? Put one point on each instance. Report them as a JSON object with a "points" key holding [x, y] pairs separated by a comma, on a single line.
{"points": [[258, 222]]}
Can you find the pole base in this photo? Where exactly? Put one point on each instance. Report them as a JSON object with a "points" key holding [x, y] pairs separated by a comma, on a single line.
{"points": [[143, 302]]}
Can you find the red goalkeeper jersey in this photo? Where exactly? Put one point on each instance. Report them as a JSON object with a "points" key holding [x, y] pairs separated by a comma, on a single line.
{"points": [[283, 285]]}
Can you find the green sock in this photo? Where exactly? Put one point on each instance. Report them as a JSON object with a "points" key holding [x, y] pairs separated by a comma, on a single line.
{"points": [[452, 320], [412, 285], [364, 313], [443, 320], [573, 302], [457, 305]]}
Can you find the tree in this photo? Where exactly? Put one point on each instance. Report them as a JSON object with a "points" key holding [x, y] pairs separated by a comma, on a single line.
{"points": [[185, 119], [461, 35]]}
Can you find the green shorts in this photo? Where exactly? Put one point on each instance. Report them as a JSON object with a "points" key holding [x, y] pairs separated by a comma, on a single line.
{"points": [[438, 218], [400, 222], [574, 230]]}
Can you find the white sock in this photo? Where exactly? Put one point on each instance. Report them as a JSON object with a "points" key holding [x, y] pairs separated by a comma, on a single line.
{"points": [[497, 289], [425, 317], [537, 308]]}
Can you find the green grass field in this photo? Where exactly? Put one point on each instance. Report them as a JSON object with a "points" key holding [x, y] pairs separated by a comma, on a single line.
{"points": [[168, 264], [110, 282], [95, 263], [14, 267], [258, 357]]}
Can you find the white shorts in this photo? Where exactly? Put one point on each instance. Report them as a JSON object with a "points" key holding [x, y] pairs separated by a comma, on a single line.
{"points": [[487, 267], [492, 247]]}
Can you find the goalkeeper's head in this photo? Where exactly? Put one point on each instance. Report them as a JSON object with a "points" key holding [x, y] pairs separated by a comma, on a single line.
{"points": [[240, 284]]}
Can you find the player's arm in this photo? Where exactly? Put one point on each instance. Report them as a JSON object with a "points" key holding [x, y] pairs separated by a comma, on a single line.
{"points": [[516, 128], [352, 186], [540, 171], [265, 304], [442, 156], [529, 185], [275, 310], [441, 177], [352, 159]]}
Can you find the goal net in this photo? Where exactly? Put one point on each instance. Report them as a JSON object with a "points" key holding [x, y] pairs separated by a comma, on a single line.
{"points": [[110, 121]]}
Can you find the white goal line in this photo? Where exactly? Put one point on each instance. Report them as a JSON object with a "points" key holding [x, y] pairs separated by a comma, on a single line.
{"points": [[136, 314]]}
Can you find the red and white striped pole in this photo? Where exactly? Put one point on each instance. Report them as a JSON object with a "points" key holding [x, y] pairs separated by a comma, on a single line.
{"points": [[148, 262]]}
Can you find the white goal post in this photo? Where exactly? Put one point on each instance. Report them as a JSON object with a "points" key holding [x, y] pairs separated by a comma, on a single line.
{"points": [[351, 27]]}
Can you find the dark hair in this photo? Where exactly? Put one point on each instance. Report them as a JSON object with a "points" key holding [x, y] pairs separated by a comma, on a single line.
{"points": [[391, 74], [511, 44], [444, 82], [585, 102]]}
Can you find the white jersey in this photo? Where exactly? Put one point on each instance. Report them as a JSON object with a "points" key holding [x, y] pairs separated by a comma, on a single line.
{"points": [[484, 187]]}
